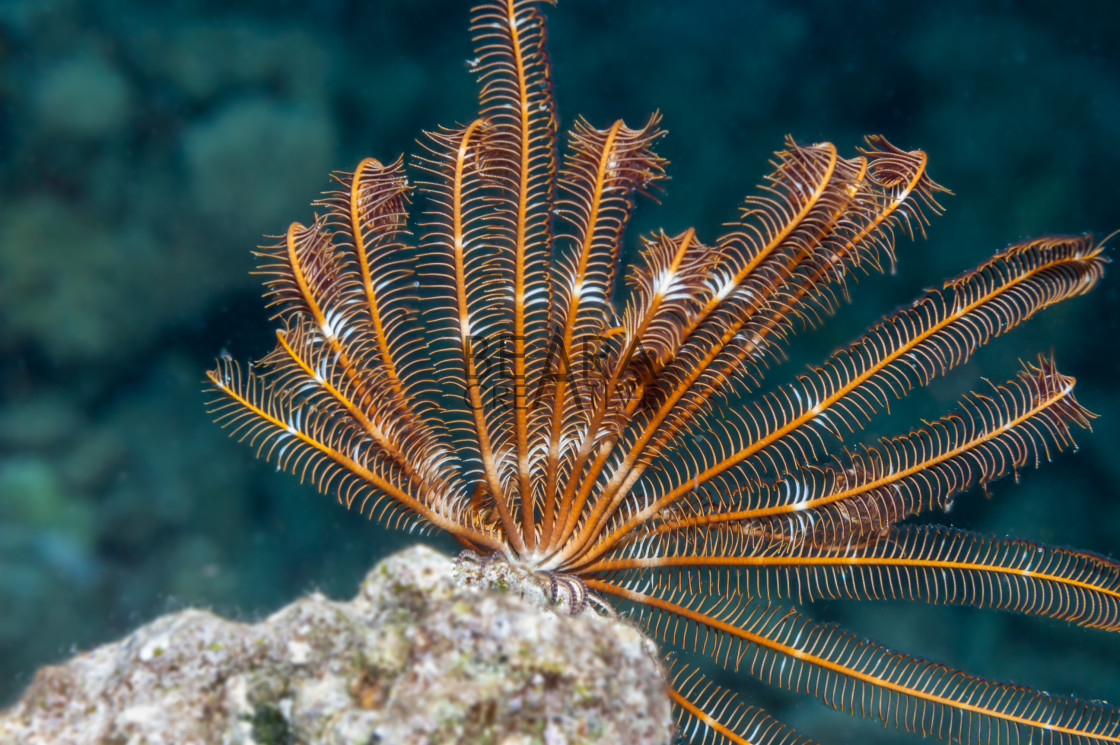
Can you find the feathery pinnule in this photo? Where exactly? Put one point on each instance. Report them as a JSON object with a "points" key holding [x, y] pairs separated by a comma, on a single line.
{"points": [[487, 373]]}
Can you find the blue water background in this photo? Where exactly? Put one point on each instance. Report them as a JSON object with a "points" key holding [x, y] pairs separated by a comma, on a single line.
{"points": [[144, 150]]}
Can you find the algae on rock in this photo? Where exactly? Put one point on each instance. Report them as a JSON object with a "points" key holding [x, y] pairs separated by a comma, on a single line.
{"points": [[415, 658]]}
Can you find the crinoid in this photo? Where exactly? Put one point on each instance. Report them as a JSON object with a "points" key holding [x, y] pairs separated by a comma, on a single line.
{"points": [[487, 383]]}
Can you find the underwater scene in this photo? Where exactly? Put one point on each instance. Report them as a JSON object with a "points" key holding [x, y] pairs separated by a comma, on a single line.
{"points": [[145, 151]]}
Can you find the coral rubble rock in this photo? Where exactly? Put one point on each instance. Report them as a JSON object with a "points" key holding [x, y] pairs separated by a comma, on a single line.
{"points": [[414, 658]]}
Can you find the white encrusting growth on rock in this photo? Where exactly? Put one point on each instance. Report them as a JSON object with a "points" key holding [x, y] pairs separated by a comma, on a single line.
{"points": [[411, 659]]}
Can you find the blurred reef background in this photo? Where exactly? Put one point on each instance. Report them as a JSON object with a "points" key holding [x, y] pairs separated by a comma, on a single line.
{"points": [[144, 150]]}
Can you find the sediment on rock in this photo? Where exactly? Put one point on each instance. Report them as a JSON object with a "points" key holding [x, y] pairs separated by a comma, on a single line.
{"points": [[415, 657]]}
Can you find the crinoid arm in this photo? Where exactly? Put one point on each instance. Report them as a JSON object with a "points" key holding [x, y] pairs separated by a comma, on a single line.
{"points": [[708, 714], [341, 400], [705, 576], [609, 431], [783, 648]]}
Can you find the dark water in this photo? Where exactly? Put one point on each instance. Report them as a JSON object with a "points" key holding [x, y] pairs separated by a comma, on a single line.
{"points": [[143, 152]]}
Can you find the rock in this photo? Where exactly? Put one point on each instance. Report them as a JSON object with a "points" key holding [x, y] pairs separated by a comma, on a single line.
{"points": [[416, 657], [84, 98], [254, 161], [36, 498], [72, 282], [39, 421], [205, 61]]}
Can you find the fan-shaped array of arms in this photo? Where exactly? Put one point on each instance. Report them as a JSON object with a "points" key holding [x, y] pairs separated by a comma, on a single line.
{"points": [[485, 381]]}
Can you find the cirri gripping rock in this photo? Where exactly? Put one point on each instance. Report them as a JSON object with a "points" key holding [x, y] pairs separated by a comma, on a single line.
{"points": [[416, 657]]}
